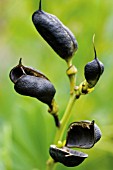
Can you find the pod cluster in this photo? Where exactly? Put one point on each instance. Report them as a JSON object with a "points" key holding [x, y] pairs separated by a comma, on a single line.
{"points": [[82, 134], [55, 33], [31, 82]]}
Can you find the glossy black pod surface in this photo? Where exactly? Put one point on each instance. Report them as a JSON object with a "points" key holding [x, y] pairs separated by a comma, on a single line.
{"points": [[58, 36], [37, 87], [30, 82], [93, 70], [83, 134], [66, 156]]}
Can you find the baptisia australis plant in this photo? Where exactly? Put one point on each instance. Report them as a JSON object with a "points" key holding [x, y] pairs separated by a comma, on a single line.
{"points": [[31, 82]]}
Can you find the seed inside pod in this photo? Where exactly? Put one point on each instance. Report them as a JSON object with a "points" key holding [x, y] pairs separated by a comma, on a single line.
{"points": [[66, 156], [83, 134], [58, 36]]}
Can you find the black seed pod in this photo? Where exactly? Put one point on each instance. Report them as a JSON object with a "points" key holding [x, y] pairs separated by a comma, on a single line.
{"points": [[58, 36], [93, 70], [66, 156], [31, 82], [83, 134]]}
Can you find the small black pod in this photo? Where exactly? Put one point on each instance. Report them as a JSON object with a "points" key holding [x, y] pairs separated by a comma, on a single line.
{"points": [[58, 36], [93, 70], [30, 82], [66, 156]]}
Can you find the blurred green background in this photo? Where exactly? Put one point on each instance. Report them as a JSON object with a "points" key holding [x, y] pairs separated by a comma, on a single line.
{"points": [[26, 128]]}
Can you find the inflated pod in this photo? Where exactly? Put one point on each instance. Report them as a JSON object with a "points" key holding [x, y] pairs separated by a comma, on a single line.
{"points": [[83, 134], [66, 156], [30, 82], [93, 70], [58, 36]]}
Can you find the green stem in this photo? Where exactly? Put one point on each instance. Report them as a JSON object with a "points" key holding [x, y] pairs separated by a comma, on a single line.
{"points": [[50, 164], [60, 131], [65, 119], [71, 72]]}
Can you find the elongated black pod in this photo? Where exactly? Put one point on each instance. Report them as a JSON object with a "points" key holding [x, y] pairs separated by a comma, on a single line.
{"points": [[83, 134], [66, 156], [58, 36], [93, 70], [30, 82]]}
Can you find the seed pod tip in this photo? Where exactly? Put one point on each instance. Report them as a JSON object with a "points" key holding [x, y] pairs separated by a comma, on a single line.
{"points": [[20, 61], [40, 5], [94, 46], [93, 38]]}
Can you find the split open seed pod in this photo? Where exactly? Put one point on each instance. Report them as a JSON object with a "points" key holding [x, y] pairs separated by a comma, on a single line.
{"points": [[66, 156], [30, 82], [83, 134], [58, 36]]}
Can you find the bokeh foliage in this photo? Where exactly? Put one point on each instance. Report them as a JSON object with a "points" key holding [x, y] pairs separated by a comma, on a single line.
{"points": [[26, 128]]}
